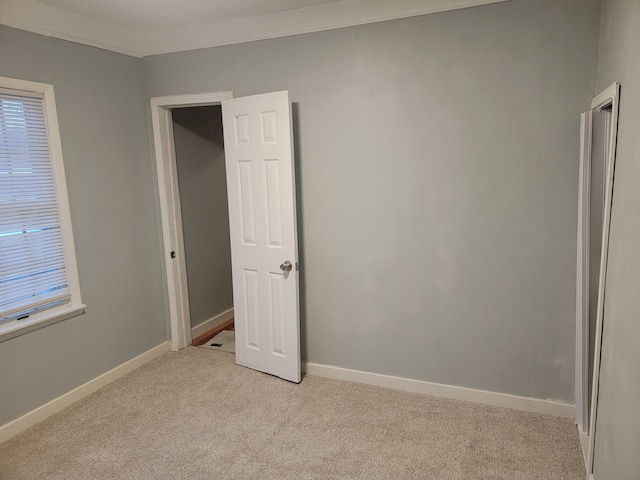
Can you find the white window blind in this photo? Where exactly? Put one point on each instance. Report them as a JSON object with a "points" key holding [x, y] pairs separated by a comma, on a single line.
{"points": [[33, 274]]}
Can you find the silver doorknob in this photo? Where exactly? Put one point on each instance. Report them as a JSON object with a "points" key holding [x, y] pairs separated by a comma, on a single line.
{"points": [[286, 266]]}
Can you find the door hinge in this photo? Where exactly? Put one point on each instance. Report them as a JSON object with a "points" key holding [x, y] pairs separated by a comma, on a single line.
{"points": [[173, 254]]}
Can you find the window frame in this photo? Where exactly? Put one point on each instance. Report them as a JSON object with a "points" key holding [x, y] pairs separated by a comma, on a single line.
{"points": [[13, 328]]}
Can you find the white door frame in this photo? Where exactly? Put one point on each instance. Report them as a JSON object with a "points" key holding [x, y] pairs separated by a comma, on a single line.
{"points": [[171, 217], [608, 98], [582, 283]]}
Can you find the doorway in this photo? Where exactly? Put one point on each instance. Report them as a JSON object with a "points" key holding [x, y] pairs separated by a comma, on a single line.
{"points": [[593, 171], [597, 161], [170, 208], [259, 162], [202, 185]]}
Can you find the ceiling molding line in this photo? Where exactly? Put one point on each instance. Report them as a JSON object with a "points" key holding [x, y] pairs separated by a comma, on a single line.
{"points": [[73, 38], [328, 16], [42, 19], [39, 18]]}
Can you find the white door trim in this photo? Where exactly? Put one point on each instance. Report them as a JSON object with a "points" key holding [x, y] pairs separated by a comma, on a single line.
{"points": [[582, 275], [171, 218], [609, 97]]}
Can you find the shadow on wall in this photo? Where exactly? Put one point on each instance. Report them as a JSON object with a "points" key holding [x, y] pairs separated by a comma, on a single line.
{"points": [[295, 120], [201, 121]]}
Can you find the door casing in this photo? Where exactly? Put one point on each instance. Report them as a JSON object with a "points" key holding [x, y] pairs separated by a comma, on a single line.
{"points": [[609, 98], [170, 213]]}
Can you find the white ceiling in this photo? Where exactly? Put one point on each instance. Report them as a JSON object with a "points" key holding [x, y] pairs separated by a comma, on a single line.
{"points": [[151, 15], [150, 27]]}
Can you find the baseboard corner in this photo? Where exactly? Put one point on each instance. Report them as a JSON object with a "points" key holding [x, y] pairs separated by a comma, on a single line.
{"points": [[212, 323], [14, 427]]}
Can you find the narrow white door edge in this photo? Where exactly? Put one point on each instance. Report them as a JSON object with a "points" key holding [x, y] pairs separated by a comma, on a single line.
{"points": [[29, 419], [212, 323], [611, 97], [582, 276], [535, 405], [170, 216]]}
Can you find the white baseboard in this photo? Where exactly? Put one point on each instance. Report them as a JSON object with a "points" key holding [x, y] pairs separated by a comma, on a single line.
{"points": [[29, 419], [212, 323], [548, 407]]}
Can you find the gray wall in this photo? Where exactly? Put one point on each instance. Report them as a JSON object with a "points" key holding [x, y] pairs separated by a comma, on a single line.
{"points": [[618, 421], [105, 141], [437, 162], [205, 216]]}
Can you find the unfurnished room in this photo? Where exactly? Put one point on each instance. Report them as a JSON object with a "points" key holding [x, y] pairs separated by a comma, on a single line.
{"points": [[319, 239]]}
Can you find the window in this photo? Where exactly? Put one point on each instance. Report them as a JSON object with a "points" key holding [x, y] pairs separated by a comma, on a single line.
{"points": [[38, 273]]}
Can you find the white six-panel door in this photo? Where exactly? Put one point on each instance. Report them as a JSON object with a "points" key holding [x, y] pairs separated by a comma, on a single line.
{"points": [[262, 219]]}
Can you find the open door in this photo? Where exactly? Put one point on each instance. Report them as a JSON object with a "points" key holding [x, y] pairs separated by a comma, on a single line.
{"points": [[262, 220], [595, 129]]}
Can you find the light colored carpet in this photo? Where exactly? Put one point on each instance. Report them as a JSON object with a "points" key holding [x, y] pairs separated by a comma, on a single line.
{"points": [[226, 339], [196, 415]]}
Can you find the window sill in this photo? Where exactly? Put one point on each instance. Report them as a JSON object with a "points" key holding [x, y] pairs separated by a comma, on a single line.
{"points": [[16, 328]]}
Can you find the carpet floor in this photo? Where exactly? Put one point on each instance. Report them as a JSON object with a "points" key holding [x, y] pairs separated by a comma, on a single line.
{"points": [[196, 415]]}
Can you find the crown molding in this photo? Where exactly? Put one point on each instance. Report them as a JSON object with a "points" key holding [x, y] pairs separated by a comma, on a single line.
{"points": [[39, 18], [54, 22]]}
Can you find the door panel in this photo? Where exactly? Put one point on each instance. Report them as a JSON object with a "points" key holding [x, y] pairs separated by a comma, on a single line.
{"points": [[262, 220]]}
